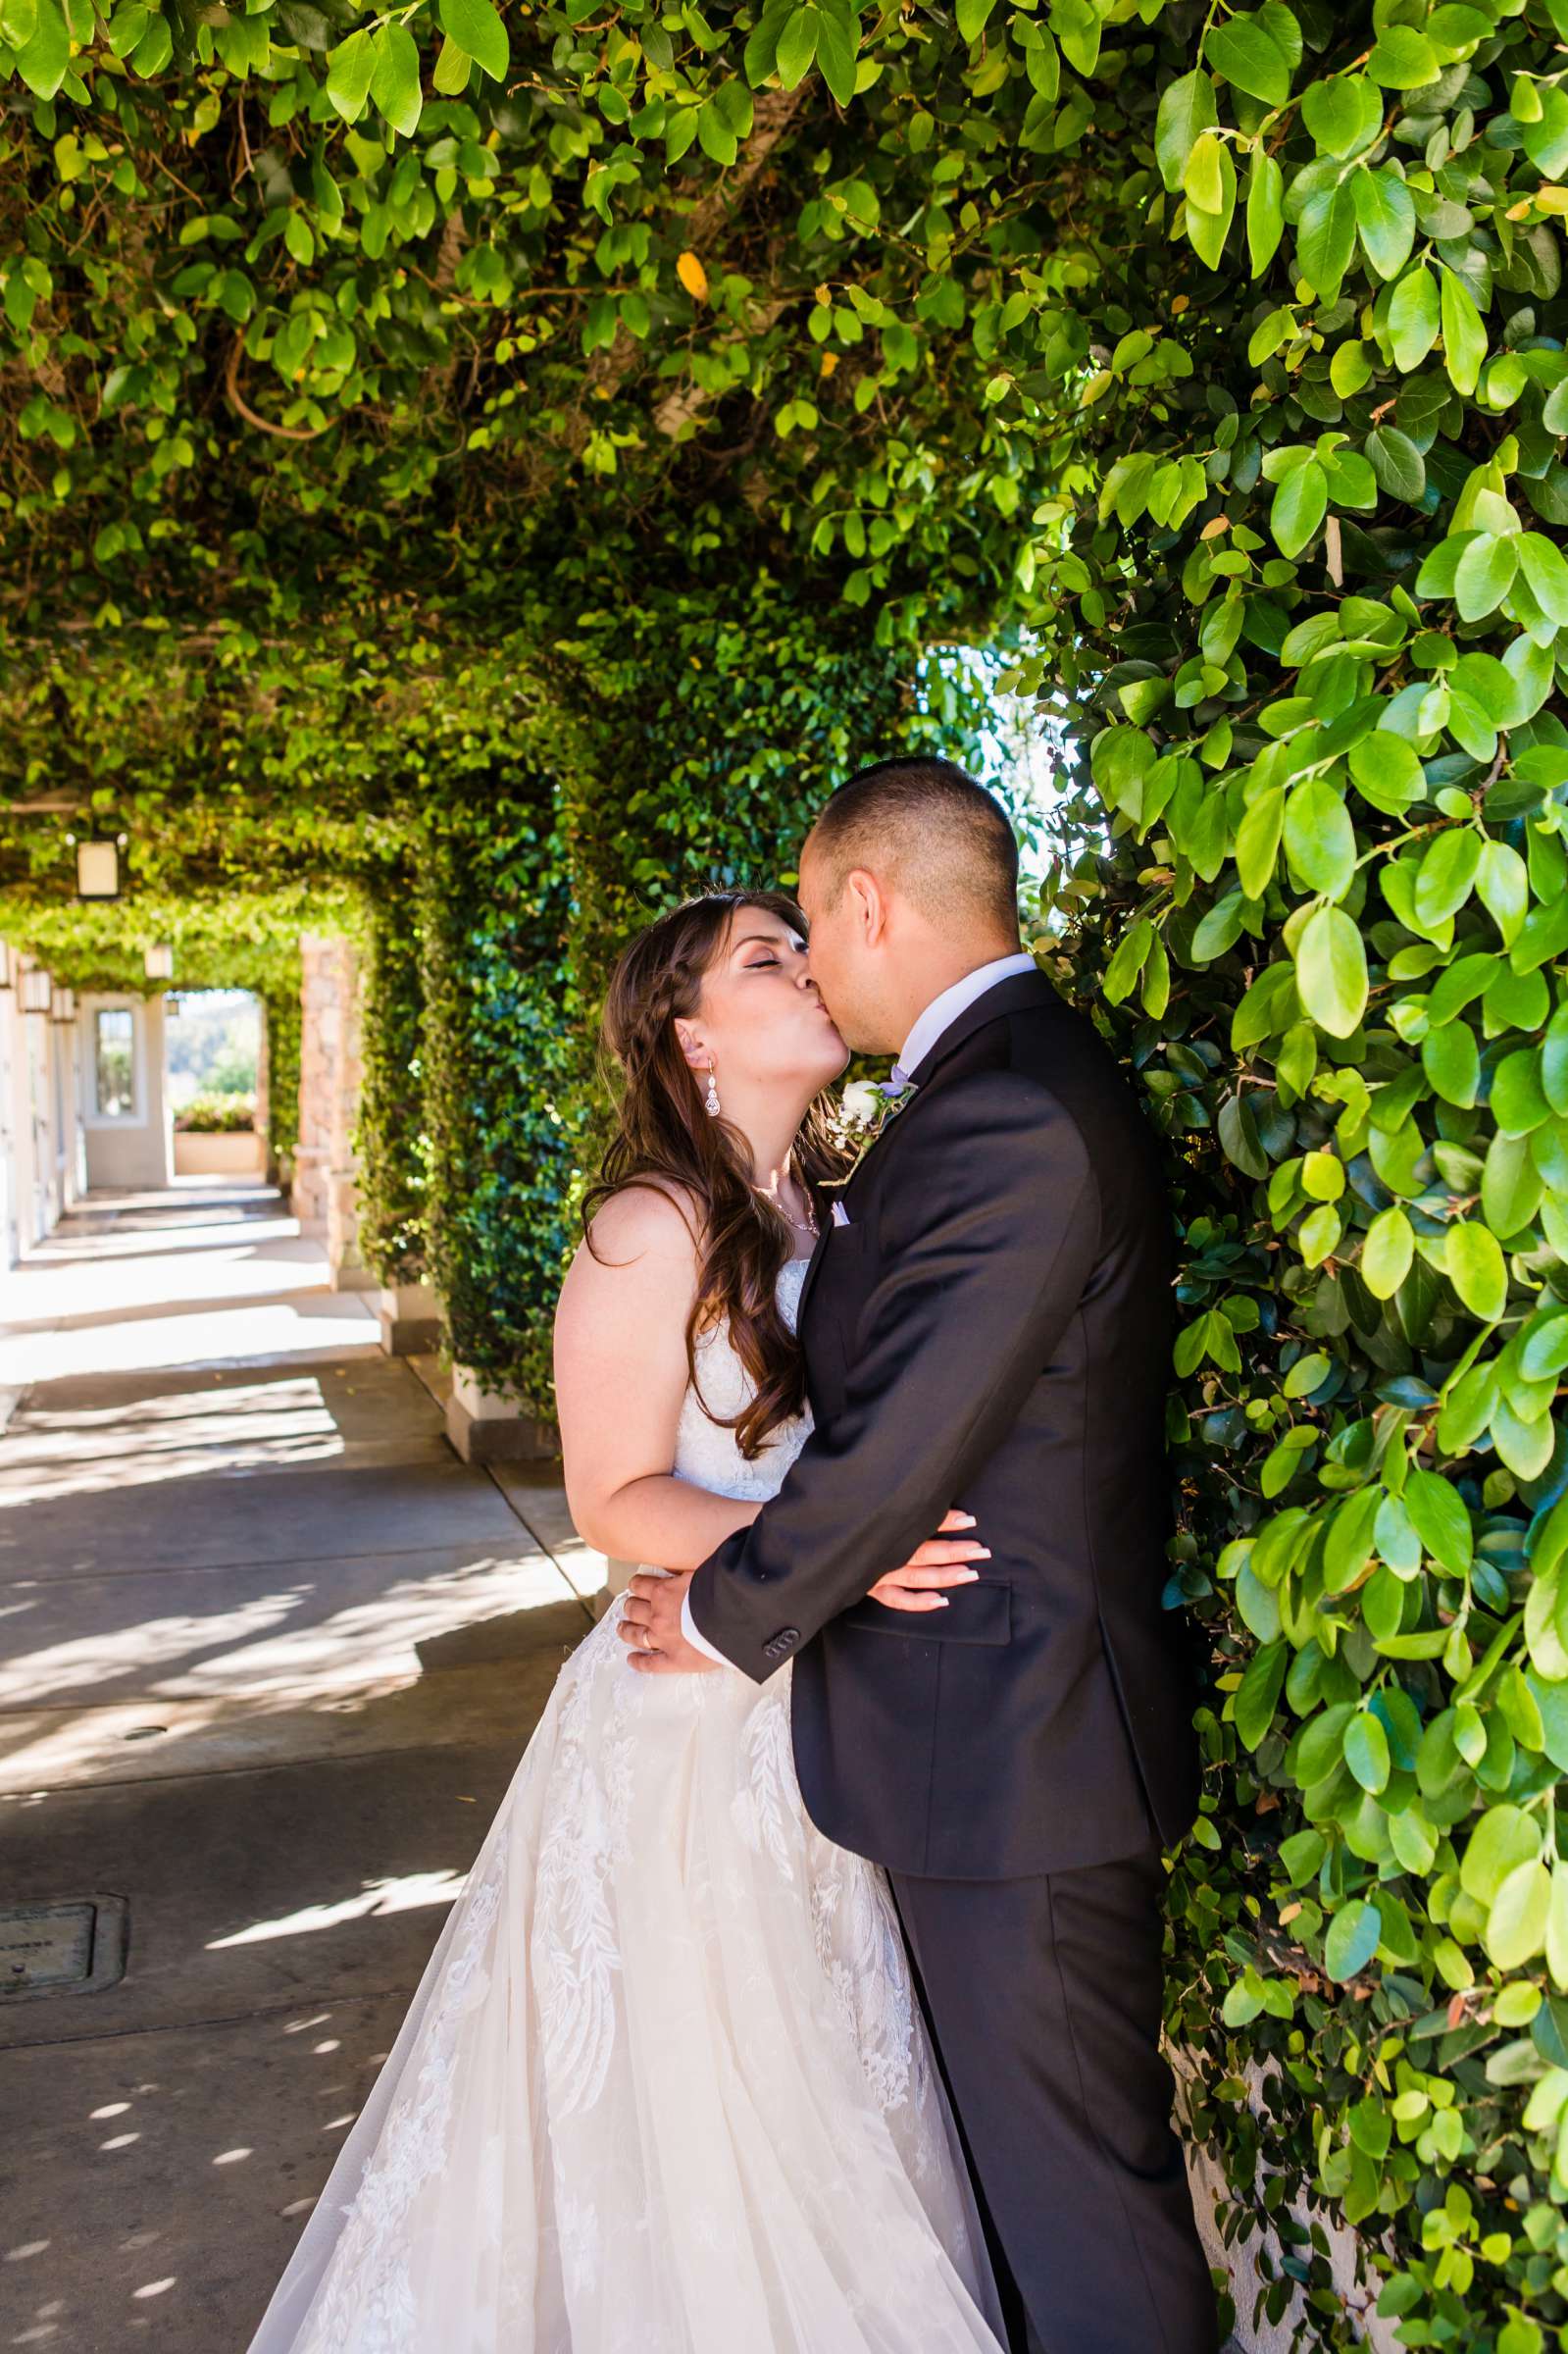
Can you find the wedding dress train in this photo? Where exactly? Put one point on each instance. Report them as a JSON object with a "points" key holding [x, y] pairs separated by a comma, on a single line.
{"points": [[664, 2087]]}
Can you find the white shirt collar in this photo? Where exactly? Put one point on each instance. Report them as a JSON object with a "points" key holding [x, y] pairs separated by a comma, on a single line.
{"points": [[945, 1010]]}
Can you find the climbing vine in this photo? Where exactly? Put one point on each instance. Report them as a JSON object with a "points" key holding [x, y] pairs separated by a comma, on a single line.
{"points": [[1316, 600]]}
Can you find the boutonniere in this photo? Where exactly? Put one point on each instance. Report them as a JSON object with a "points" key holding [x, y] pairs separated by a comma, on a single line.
{"points": [[864, 1108]]}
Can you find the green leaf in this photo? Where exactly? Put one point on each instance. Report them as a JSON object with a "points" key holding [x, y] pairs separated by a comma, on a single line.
{"points": [[1547, 573], [1257, 840], [1237, 1133], [395, 77], [1300, 503], [1259, 1693], [1386, 771], [1545, 140], [1516, 1925], [1413, 318], [1502, 1840], [1503, 885], [1518, 1104], [1385, 216], [837, 50], [1446, 874], [1402, 59], [1464, 338], [1208, 228], [1556, 1950], [1265, 210], [1187, 108], [797, 45], [1354, 1934], [1451, 1060], [1440, 1519], [1347, 1545], [1249, 59], [348, 75], [1477, 1268], [45, 58], [1343, 114], [1386, 1253], [474, 25], [1326, 241], [1398, 465], [1319, 838], [1555, 1062], [1331, 971], [1366, 1751], [1510, 1185]]}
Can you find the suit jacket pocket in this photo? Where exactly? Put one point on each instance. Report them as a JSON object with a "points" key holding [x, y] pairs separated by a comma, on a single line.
{"points": [[979, 1613]]}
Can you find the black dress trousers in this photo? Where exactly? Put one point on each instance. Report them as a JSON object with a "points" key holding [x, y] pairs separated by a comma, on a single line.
{"points": [[1044, 1997]]}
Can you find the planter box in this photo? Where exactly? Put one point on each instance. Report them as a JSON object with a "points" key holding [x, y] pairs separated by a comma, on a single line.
{"points": [[486, 1427], [230, 1152], [410, 1318]]}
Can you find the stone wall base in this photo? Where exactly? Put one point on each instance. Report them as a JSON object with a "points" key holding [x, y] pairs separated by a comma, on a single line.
{"points": [[1239, 2260], [410, 1318], [486, 1427]]}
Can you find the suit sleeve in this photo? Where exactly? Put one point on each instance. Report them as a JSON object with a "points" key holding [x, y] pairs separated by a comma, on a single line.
{"points": [[988, 1230]]}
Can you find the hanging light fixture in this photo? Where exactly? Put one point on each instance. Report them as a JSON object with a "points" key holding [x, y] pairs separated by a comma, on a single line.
{"points": [[62, 1004], [36, 989], [98, 870], [158, 962]]}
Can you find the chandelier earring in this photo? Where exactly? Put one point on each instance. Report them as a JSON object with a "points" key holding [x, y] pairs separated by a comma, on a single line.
{"points": [[711, 1098]]}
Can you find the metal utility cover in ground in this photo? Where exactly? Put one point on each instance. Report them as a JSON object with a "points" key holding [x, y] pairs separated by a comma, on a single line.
{"points": [[73, 1945]]}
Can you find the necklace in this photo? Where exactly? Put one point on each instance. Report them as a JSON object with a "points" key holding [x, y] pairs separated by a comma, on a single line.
{"points": [[806, 1226]]}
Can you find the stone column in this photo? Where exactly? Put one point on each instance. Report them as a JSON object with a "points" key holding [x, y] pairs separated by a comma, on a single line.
{"points": [[326, 1198]]}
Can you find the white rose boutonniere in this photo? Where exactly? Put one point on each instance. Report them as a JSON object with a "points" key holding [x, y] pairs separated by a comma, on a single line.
{"points": [[860, 1106], [864, 1111]]}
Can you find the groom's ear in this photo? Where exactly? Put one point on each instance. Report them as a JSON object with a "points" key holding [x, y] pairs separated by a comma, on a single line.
{"points": [[867, 904]]}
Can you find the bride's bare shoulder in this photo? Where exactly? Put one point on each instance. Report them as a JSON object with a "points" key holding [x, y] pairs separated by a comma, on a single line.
{"points": [[652, 1217], [635, 1271]]}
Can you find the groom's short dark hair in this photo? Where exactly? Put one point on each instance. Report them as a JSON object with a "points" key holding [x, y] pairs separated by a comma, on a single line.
{"points": [[945, 837]]}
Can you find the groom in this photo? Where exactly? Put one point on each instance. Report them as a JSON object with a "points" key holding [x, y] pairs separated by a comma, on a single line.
{"points": [[986, 1324]]}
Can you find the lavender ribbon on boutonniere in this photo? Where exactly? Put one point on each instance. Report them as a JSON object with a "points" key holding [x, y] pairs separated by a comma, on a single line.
{"points": [[864, 1108]]}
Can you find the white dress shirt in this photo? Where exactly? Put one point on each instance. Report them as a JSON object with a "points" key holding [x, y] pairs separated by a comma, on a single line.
{"points": [[929, 1024]]}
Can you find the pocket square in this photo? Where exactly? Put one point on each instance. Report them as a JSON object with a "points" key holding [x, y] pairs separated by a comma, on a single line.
{"points": [[841, 1216]]}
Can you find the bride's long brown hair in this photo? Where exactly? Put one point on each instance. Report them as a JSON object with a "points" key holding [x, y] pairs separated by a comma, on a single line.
{"points": [[665, 1137]]}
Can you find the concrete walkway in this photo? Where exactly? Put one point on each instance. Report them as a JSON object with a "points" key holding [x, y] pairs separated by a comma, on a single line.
{"points": [[271, 1654]]}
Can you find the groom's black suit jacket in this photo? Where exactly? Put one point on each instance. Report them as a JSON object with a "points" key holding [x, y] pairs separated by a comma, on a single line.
{"points": [[993, 1331]]}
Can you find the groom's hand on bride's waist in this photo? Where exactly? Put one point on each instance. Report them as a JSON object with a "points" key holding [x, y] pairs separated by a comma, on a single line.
{"points": [[650, 1627]]}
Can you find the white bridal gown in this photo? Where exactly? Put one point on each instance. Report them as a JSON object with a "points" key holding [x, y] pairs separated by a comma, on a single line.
{"points": [[663, 2087]]}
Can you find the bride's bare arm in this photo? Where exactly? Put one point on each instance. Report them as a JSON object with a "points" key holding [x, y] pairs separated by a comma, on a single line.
{"points": [[621, 1376]]}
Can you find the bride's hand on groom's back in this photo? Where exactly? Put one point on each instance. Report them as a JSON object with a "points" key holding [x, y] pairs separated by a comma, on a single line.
{"points": [[942, 1560]]}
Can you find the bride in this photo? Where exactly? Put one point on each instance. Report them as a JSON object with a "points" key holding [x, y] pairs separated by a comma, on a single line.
{"points": [[664, 2087]]}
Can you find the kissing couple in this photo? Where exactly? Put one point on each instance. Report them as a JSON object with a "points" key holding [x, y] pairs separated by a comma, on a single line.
{"points": [[805, 1995]]}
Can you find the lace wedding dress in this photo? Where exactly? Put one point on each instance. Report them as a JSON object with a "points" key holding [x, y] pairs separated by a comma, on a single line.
{"points": [[663, 2089]]}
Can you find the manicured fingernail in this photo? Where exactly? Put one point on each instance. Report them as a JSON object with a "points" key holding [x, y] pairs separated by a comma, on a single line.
{"points": [[984, 1554], [966, 1519], [941, 1604], [968, 1576]]}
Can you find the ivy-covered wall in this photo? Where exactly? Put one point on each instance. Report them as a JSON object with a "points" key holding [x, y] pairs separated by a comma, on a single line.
{"points": [[390, 1143], [1316, 600], [504, 1098]]}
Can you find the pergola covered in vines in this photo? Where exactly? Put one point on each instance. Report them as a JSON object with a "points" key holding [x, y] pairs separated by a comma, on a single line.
{"points": [[468, 475]]}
